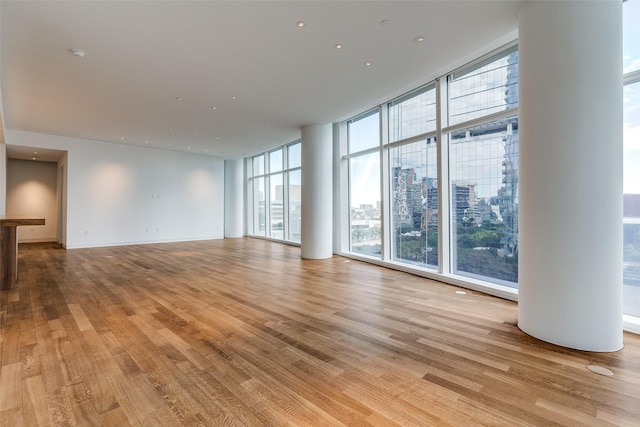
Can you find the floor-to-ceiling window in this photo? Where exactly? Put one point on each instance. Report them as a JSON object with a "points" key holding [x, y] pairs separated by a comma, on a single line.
{"points": [[483, 163], [274, 187], [294, 157], [258, 196], [413, 176], [631, 169], [447, 153], [363, 138]]}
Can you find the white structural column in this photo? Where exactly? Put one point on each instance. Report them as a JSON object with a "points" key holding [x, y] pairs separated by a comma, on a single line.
{"points": [[570, 236], [233, 198], [317, 191]]}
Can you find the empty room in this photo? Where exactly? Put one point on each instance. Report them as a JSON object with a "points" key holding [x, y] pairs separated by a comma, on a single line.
{"points": [[320, 213]]}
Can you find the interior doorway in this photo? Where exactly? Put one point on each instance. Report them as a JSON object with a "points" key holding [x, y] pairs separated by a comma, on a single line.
{"points": [[36, 186]]}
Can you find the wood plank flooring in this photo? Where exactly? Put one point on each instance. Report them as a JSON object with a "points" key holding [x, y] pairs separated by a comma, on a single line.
{"points": [[242, 332]]}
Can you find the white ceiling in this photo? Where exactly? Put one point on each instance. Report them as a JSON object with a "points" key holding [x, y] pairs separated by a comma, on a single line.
{"points": [[142, 56]]}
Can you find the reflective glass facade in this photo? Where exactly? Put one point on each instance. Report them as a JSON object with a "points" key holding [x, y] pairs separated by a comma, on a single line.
{"points": [[484, 200], [414, 203]]}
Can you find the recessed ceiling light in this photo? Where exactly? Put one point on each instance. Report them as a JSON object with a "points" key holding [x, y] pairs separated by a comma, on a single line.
{"points": [[122, 138], [170, 129], [300, 24], [33, 158], [146, 142], [178, 99], [368, 63], [233, 97], [35, 152], [419, 39], [339, 46], [79, 53], [195, 133], [214, 108], [188, 148]]}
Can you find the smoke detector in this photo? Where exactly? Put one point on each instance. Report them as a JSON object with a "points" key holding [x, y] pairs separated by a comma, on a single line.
{"points": [[79, 53]]}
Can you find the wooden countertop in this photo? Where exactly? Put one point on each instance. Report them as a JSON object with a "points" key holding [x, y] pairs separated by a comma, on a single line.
{"points": [[16, 220]]}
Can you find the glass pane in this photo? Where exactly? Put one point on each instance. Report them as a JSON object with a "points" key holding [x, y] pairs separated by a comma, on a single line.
{"points": [[276, 207], [631, 35], [295, 155], [258, 207], [364, 197], [484, 199], [631, 269], [485, 89], [275, 161], [413, 115], [258, 165], [364, 133], [631, 174], [414, 203], [295, 205]]}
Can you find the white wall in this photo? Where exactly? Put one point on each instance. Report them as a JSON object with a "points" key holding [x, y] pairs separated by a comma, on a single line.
{"points": [[118, 194], [31, 190]]}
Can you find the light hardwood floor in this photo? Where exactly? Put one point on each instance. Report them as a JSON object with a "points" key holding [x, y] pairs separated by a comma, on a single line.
{"points": [[243, 332]]}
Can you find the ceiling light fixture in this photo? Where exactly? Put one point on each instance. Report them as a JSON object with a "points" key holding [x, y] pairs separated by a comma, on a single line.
{"points": [[79, 53], [233, 97], [419, 39], [122, 138], [368, 63], [178, 99], [339, 46], [214, 108], [33, 158], [300, 24]]}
